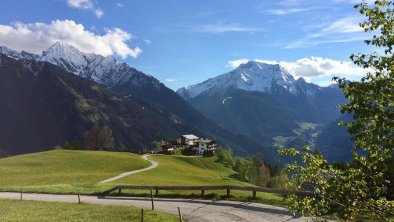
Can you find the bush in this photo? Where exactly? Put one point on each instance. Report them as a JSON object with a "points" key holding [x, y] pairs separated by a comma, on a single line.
{"points": [[225, 156], [208, 153]]}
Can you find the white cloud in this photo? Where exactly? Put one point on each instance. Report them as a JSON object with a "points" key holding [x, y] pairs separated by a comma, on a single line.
{"points": [[99, 13], [147, 41], [120, 5], [312, 67], [345, 29], [86, 5], [370, 2], [348, 24], [235, 63], [286, 11], [289, 2], [170, 80], [36, 37], [225, 27]]}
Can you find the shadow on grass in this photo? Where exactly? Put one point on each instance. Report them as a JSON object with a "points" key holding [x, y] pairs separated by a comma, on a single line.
{"points": [[235, 176]]}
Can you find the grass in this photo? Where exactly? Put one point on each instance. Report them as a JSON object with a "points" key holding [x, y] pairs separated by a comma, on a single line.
{"points": [[194, 171], [59, 167], [71, 172], [179, 170], [14, 210]]}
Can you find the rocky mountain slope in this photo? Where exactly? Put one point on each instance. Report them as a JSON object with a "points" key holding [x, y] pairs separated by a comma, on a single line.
{"points": [[126, 83], [266, 103], [44, 105]]}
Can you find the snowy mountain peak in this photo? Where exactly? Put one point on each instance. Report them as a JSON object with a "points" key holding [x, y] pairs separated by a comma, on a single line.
{"points": [[66, 56], [17, 55], [266, 71], [252, 76], [104, 70], [61, 49]]}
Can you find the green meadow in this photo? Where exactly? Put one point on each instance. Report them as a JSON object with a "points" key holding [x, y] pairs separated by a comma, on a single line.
{"points": [[15, 210], [65, 171], [71, 172]]}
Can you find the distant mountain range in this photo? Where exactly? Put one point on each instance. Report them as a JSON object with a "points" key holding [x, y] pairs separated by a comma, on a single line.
{"points": [[253, 77], [77, 89], [265, 102], [59, 95]]}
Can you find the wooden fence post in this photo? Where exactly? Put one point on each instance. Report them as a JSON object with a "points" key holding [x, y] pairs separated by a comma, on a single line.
{"points": [[79, 199], [228, 192], [120, 190], [180, 215], [151, 198], [202, 192], [142, 215], [157, 191], [254, 194], [21, 193]]}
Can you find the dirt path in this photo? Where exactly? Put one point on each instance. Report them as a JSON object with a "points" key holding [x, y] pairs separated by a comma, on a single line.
{"points": [[145, 157], [193, 210]]}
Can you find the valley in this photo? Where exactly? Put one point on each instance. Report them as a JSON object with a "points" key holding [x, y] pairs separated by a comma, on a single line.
{"points": [[197, 111], [268, 107]]}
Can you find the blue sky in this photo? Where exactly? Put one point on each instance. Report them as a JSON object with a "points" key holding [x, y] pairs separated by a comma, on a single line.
{"points": [[185, 42]]}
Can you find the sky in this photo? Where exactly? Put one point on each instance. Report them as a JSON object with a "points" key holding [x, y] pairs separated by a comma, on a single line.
{"points": [[186, 42]]}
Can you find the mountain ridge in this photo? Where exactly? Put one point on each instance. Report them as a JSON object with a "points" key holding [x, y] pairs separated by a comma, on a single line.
{"points": [[252, 76], [137, 84], [266, 103], [44, 106]]}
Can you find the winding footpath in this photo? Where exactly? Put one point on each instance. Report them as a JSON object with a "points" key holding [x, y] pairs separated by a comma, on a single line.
{"points": [[145, 157], [193, 210]]}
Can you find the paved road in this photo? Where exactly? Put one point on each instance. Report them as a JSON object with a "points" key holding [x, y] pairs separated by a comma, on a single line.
{"points": [[145, 157], [193, 210]]}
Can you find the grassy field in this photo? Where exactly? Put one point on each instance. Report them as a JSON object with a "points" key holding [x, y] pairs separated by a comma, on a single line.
{"points": [[194, 171], [178, 170], [59, 167], [71, 172], [13, 210]]}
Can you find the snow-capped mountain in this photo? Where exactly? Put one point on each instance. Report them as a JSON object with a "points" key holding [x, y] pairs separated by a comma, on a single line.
{"points": [[49, 106], [128, 84], [18, 55], [104, 70], [252, 76], [266, 103]]}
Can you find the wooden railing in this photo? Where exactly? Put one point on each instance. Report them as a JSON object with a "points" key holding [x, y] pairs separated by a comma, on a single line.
{"points": [[228, 188]]}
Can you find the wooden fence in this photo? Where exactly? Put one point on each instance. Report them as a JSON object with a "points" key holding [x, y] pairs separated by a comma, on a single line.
{"points": [[228, 188]]}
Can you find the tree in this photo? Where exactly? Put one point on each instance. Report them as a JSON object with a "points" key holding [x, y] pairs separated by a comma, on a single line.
{"points": [[225, 156], [257, 165], [244, 168], [99, 138], [264, 176], [363, 185], [76, 145]]}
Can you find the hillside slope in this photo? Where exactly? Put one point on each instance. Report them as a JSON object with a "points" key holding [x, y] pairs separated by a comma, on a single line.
{"points": [[264, 101], [66, 167], [156, 92], [43, 105], [335, 142], [129, 83], [70, 171], [178, 170]]}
